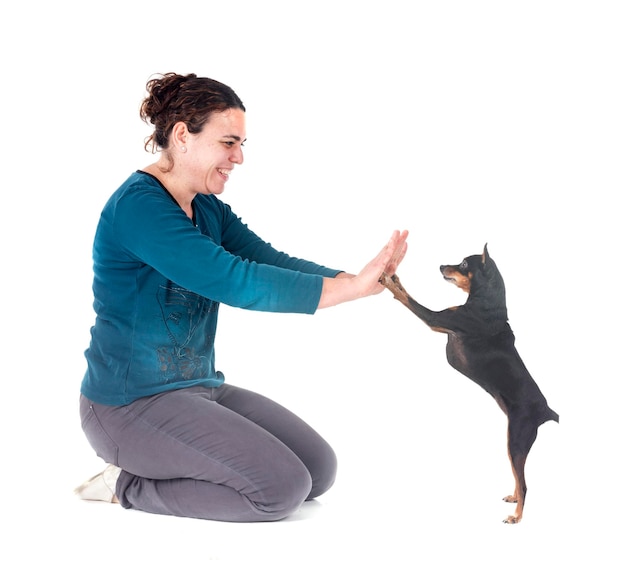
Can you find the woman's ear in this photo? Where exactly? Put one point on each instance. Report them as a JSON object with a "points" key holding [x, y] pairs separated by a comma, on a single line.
{"points": [[180, 136]]}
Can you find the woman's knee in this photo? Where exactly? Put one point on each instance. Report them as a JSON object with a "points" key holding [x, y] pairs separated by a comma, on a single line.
{"points": [[323, 470], [289, 488]]}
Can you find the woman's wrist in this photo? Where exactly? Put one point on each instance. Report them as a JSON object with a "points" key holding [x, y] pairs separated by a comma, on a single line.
{"points": [[337, 290]]}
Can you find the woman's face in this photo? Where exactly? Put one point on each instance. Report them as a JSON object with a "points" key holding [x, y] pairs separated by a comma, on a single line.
{"points": [[212, 153]]}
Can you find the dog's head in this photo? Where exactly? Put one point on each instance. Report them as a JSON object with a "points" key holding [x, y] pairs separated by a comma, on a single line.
{"points": [[473, 273]]}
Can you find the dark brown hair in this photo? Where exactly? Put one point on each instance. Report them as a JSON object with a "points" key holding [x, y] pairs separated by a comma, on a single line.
{"points": [[187, 98]]}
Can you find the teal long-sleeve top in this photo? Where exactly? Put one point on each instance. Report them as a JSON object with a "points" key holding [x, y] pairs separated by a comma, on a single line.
{"points": [[159, 278]]}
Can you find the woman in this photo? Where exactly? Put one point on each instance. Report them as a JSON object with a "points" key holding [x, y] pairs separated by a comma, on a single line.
{"points": [[167, 251]]}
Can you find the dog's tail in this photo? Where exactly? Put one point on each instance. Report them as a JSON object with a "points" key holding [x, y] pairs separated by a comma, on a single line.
{"points": [[546, 414]]}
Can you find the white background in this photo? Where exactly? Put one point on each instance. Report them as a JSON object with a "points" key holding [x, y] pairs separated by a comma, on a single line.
{"points": [[464, 122]]}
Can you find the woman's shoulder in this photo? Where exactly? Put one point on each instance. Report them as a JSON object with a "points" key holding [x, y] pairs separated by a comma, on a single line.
{"points": [[142, 181], [138, 184]]}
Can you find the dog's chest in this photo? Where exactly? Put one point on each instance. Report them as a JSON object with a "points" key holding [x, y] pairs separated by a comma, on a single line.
{"points": [[487, 360], [470, 354], [457, 354]]}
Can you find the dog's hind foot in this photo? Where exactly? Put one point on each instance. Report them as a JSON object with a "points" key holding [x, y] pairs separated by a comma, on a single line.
{"points": [[516, 517]]}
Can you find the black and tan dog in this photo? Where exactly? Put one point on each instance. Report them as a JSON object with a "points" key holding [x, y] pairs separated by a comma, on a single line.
{"points": [[481, 345]]}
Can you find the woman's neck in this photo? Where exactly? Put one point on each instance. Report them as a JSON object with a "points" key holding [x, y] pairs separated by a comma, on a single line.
{"points": [[169, 182]]}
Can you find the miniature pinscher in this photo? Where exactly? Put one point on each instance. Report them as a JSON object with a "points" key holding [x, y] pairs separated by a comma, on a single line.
{"points": [[481, 345]]}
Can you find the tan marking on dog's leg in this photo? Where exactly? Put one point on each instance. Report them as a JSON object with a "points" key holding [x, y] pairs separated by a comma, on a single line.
{"points": [[516, 497], [393, 284]]}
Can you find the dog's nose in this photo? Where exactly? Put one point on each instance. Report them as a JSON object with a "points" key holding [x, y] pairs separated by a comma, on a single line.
{"points": [[441, 268]]}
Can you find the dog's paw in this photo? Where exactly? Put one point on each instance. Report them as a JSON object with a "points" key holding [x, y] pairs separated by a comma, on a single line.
{"points": [[510, 499], [396, 281], [512, 519]]}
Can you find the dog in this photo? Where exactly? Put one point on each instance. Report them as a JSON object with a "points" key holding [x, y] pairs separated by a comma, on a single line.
{"points": [[481, 345]]}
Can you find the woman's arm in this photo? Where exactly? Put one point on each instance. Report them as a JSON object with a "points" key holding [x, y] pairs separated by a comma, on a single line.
{"points": [[240, 240]]}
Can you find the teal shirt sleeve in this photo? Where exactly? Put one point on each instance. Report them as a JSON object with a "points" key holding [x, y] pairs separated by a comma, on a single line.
{"points": [[153, 229], [240, 240]]}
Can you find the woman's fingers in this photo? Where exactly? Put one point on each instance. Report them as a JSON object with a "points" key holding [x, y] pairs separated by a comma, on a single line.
{"points": [[397, 250]]}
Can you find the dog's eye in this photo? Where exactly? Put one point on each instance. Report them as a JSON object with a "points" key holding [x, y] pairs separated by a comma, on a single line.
{"points": [[463, 264]]}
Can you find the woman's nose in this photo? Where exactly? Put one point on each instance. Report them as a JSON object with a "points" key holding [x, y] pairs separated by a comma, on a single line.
{"points": [[237, 156]]}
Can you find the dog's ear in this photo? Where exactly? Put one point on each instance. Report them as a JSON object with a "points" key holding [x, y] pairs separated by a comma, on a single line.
{"points": [[485, 255]]}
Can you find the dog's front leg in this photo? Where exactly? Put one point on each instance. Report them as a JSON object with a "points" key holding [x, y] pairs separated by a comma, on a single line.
{"points": [[436, 320], [393, 284]]}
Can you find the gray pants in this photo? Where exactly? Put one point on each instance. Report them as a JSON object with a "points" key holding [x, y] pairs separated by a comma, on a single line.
{"points": [[213, 453]]}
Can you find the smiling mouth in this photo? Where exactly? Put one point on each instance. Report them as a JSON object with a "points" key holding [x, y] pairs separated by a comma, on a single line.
{"points": [[224, 173]]}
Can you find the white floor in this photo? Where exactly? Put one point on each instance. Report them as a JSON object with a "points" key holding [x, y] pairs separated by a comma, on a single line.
{"points": [[436, 515]]}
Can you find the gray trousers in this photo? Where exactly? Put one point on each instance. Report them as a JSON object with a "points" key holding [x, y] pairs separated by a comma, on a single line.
{"points": [[222, 453]]}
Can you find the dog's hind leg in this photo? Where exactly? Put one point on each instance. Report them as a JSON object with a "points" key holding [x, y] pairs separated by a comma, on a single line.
{"points": [[521, 436]]}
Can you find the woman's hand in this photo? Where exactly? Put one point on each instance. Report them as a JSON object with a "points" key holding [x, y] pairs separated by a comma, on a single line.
{"points": [[365, 283], [398, 253]]}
